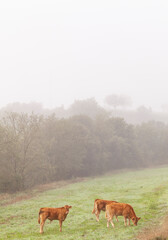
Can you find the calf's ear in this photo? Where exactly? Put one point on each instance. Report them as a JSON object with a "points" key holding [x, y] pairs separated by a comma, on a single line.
{"points": [[70, 206], [139, 218]]}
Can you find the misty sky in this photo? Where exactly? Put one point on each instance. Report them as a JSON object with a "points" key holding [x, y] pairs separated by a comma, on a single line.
{"points": [[56, 51]]}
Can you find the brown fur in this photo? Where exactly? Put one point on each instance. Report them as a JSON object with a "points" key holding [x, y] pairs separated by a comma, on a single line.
{"points": [[100, 205], [53, 214], [121, 209]]}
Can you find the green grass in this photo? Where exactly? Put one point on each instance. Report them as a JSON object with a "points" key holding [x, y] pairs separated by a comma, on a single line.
{"points": [[146, 190]]}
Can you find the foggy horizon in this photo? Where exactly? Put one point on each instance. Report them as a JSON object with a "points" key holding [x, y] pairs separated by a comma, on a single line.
{"points": [[56, 52]]}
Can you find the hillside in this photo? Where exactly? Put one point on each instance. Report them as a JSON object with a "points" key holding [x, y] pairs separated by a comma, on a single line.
{"points": [[146, 190]]}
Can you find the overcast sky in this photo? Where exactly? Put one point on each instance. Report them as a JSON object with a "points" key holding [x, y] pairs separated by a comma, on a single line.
{"points": [[56, 51]]}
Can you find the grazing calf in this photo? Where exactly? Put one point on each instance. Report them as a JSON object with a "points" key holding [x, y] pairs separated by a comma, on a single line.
{"points": [[53, 214], [121, 209], [100, 205]]}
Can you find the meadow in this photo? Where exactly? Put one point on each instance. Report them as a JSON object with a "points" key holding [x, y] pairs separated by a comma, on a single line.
{"points": [[146, 190]]}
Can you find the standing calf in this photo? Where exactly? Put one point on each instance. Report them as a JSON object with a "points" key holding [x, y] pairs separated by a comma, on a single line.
{"points": [[100, 205], [53, 214], [121, 209]]}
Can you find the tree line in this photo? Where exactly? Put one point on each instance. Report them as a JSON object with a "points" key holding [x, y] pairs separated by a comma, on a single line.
{"points": [[38, 149], [115, 106]]}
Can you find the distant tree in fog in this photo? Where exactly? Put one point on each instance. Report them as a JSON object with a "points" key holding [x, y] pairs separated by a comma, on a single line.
{"points": [[118, 100], [33, 107], [87, 107]]}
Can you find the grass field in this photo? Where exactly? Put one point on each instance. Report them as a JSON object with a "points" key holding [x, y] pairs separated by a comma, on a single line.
{"points": [[146, 190]]}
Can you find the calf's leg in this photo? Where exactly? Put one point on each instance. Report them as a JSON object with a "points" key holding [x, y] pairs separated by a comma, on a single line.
{"points": [[111, 220], [97, 213], [128, 221], [116, 218], [42, 225], [60, 223], [108, 218], [125, 221]]}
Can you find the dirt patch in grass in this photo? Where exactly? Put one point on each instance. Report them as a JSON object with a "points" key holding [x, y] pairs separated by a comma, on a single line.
{"points": [[155, 233], [7, 199], [8, 219]]}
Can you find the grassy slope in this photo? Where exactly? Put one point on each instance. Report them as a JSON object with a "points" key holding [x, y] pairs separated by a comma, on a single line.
{"points": [[145, 190]]}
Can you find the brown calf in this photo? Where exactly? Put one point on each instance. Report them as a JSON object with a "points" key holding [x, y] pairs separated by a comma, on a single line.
{"points": [[100, 205], [53, 214], [121, 209]]}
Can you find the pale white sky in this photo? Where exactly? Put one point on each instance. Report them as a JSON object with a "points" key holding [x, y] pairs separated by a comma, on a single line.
{"points": [[56, 51]]}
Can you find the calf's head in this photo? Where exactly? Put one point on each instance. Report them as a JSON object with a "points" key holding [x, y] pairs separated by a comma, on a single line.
{"points": [[135, 220], [67, 207]]}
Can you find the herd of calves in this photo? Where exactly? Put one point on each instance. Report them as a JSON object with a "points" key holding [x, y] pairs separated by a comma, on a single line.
{"points": [[112, 208]]}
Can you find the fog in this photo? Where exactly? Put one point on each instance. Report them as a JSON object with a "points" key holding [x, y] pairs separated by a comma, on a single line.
{"points": [[55, 52]]}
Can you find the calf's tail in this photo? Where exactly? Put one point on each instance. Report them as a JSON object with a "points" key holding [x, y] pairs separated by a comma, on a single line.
{"points": [[107, 214], [93, 211], [39, 218], [95, 207]]}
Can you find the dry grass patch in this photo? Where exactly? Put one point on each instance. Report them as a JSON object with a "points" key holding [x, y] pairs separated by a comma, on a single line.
{"points": [[159, 232], [7, 199]]}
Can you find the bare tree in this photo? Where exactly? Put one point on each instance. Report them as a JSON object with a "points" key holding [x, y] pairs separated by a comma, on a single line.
{"points": [[18, 147]]}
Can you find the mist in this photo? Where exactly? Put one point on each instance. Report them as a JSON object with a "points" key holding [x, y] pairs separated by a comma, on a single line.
{"points": [[56, 52]]}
